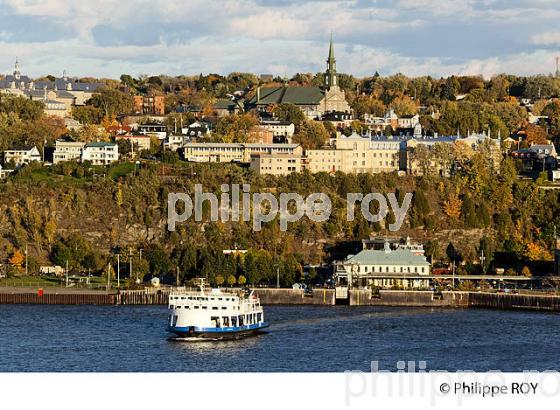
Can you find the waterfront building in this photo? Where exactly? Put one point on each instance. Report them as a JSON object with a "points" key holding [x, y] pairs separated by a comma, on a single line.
{"points": [[100, 153], [313, 101], [22, 155], [67, 149], [386, 268], [234, 152]]}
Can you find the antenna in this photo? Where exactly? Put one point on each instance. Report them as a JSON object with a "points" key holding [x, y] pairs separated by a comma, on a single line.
{"points": [[557, 67]]}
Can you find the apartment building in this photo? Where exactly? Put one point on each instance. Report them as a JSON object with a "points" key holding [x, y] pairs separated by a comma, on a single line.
{"points": [[234, 152], [101, 153], [276, 164], [67, 149]]}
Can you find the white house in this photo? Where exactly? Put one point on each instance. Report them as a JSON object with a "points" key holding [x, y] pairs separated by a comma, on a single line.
{"points": [[101, 153], [67, 149], [278, 128], [5, 172], [22, 155]]}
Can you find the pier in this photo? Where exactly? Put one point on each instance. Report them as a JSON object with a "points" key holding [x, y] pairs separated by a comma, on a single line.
{"points": [[317, 297]]}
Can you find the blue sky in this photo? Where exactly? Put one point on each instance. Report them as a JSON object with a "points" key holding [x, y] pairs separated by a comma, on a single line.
{"points": [[106, 38]]}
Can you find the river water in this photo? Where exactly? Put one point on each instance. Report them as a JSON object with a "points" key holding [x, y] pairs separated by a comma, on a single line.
{"points": [[300, 339]]}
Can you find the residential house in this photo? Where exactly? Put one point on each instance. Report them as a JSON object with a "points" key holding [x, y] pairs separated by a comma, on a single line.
{"points": [[100, 153], [282, 131], [22, 155], [158, 130], [138, 142], [67, 149]]}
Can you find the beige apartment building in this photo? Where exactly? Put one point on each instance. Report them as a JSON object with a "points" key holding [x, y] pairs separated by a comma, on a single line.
{"points": [[235, 152], [356, 154], [276, 164]]}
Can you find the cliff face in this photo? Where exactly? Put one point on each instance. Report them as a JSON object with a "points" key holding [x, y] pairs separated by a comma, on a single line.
{"points": [[40, 208]]}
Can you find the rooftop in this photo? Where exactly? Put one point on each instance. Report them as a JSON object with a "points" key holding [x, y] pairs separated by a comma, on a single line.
{"points": [[388, 257]]}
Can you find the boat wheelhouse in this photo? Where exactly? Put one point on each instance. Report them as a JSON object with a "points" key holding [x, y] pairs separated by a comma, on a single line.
{"points": [[214, 314]]}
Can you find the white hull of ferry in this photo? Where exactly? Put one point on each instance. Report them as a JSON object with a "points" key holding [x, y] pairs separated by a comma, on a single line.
{"points": [[214, 314]]}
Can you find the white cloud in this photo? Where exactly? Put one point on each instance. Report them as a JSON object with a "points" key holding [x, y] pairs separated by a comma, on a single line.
{"points": [[550, 38], [196, 36]]}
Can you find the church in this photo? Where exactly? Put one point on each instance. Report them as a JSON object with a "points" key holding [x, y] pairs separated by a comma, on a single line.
{"points": [[312, 100]]}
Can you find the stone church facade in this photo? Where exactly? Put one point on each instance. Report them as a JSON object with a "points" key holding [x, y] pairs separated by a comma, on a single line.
{"points": [[312, 100]]}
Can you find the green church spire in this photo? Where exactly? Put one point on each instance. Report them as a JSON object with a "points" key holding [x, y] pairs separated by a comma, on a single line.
{"points": [[330, 75]]}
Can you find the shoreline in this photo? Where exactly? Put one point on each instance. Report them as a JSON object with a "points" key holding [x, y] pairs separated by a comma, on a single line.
{"points": [[318, 297]]}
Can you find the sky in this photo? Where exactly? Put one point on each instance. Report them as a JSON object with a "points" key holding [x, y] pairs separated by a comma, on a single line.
{"points": [[106, 38]]}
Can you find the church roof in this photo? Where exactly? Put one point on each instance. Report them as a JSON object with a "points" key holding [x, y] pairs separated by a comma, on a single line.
{"points": [[300, 95]]}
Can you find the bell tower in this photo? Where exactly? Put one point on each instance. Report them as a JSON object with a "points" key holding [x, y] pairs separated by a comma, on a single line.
{"points": [[17, 73], [331, 79]]}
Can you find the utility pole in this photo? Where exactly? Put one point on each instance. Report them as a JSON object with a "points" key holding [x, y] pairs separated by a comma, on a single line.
{"points": [[26, 264], [482, 259], [118, 270], [66, 272], [453, 275], [130, 260], [177, 275], [277, 276]]}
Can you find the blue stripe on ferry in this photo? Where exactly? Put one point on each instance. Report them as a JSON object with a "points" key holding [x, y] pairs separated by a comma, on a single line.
{"points": [[220, 329]]}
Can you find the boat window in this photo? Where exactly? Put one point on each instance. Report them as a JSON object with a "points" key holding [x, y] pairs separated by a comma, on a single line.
{"points": [[204, 307], [170, 306], [224, 307], [183, 298], [259, 317], [225, 321], [214, 307], [197, 307], [178, 306], [234, 320]]}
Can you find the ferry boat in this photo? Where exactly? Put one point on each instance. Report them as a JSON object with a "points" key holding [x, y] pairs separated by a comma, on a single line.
{"points": [[214, 314]]}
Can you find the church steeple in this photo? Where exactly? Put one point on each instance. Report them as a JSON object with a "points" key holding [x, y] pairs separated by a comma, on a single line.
{"points": [[330, 75], [17, 73]]}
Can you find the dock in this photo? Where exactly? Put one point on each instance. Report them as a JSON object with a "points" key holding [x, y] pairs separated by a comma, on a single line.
{"points": [[316, 297]]}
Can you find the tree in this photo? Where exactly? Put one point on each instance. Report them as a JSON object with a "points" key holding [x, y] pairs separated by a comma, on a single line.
{"points": [[16, 260], [289, 113], [535, 134], [526, 272], [231, 280], [111, 102], [311, 135], [452, 206], [241, 280], [219, 280]]}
